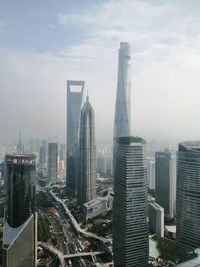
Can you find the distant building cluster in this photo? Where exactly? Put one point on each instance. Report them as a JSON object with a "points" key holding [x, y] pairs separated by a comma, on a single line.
{"points": [[104, 162]]}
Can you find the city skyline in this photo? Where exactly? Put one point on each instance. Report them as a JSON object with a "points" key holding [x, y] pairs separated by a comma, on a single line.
{"points": [[165, 56], [100, 180]]}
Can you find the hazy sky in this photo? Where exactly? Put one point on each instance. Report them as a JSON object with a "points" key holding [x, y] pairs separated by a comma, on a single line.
{"points": [[44, 43]]}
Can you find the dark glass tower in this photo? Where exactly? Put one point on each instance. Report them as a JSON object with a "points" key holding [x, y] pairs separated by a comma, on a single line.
{"points": [[43, 154], [53, 162], [75, 91], [20, 187], [20, 233], [165, 181], [188, 199], [87, 156], [130, 207]]}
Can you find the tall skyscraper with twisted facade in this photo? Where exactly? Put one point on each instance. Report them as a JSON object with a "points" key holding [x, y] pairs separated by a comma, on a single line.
{"points": [[87, 156], [130, 207], [122, 121]]}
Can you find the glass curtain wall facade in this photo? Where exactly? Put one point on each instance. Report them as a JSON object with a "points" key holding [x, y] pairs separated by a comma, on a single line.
{"points": [[165, 181], [188, 199], [20, 229], [75, 93], [43, 154], [122, 123], [53, 162], [130, 207], [87, 156]]}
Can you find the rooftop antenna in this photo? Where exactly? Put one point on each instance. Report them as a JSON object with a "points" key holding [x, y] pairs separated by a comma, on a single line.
{"points": [[20, 137], [87, 97], [20, 149]]}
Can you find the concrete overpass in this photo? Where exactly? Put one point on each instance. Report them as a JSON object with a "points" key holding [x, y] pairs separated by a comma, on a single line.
{"points": [[74, 222], [83, 254], [53, 251]]}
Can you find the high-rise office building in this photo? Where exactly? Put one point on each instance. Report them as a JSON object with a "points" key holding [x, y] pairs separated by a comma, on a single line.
{"points": [[52, 162], [20, 230], [122, 122], [87, 156], [130, 207], [165, 181], [104, 161], [62, 152], [188, 199], [151, 172], [156, 218], [75, 93], [43, 154]]}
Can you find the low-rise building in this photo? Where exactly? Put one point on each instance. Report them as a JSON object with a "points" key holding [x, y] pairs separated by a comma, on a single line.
{"points": [[98, 206], [170, 231], [191, 263]]}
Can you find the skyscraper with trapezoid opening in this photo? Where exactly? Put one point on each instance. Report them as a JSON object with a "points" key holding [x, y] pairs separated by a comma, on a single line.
{"points": [[75, 93]]}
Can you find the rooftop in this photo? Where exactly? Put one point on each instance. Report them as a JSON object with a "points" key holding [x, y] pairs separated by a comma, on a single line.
{"points": [[97, 201], [190, 145], [128, 140], [191, 263], [156, 206], [20, 159]]}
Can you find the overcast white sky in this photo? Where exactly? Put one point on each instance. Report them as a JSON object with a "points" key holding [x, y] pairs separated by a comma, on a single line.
{"points": [[44, 43]]}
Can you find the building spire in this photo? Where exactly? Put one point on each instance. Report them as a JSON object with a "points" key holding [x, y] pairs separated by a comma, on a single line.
{"points": [[20, 138], [20, 148], [87, 97]]}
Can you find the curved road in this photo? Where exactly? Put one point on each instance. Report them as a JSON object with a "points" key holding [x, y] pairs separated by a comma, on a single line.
{"points": [[74, 222]]}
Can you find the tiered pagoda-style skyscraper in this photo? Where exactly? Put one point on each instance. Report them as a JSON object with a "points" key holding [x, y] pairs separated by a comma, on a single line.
{"points": [[87, 155]]}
